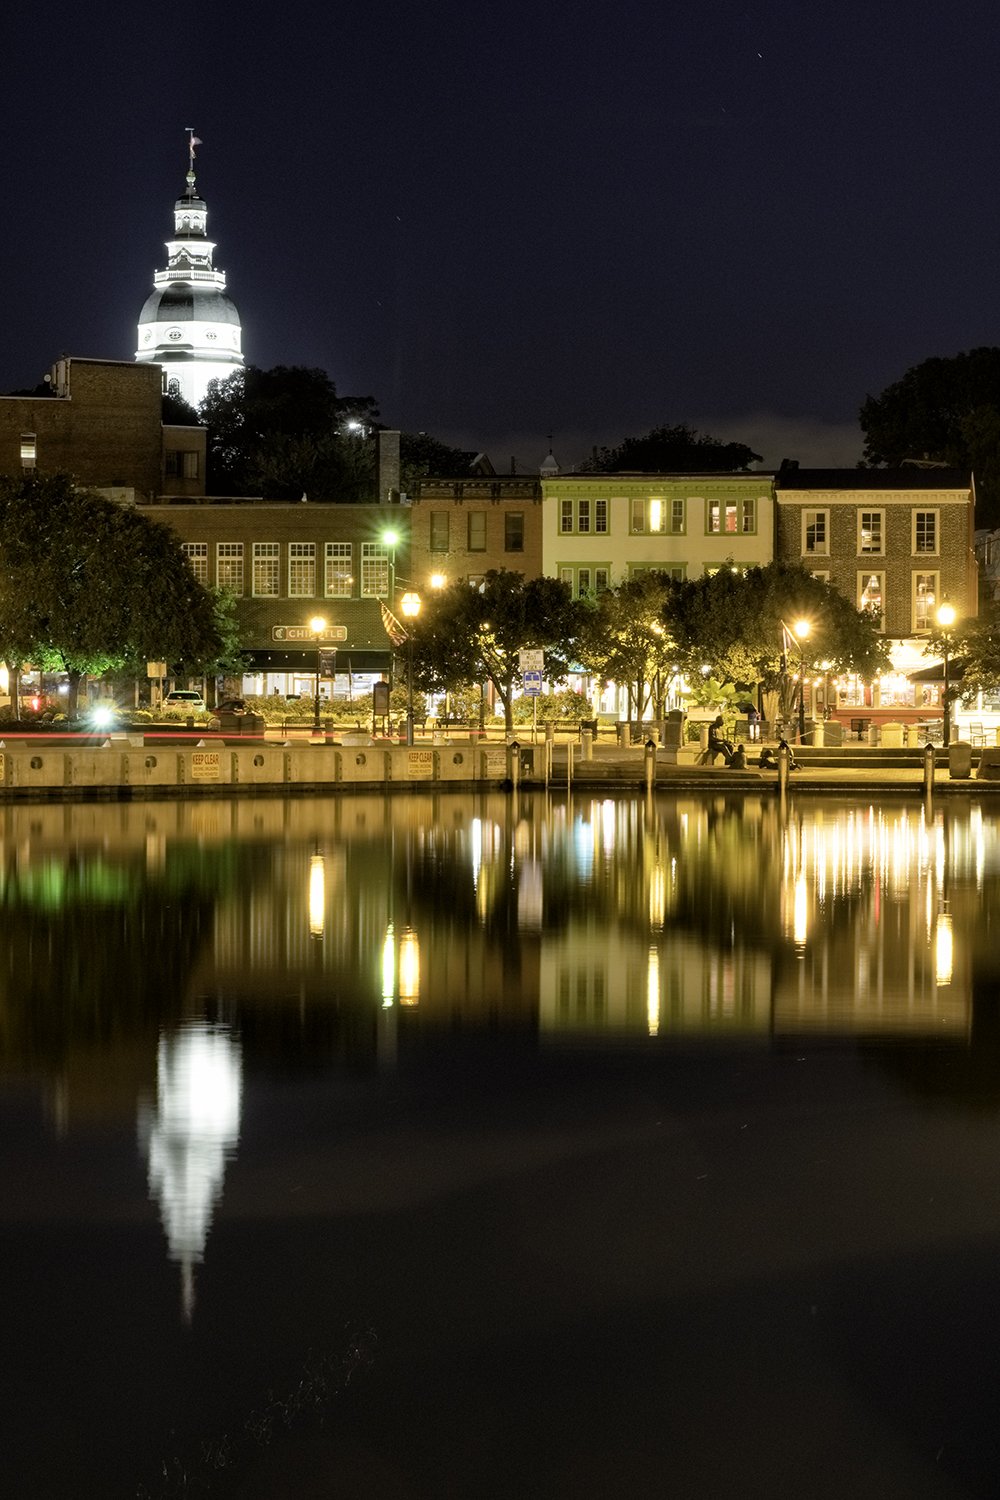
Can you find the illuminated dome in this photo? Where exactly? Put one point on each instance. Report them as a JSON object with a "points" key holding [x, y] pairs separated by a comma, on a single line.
{"points": [[189, 324]]}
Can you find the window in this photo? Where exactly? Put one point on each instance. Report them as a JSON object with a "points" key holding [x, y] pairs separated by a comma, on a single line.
{"points": [[672, 570], [871, 591], [229, 566], [748, 516], [265, 569], [585, 581], [601, 517], [301, 570], [565, 515], [823, 574], [29, 450], [477, 531], [925, 531], [374, 570], [870, 526], [178, 465], [338, 581], [678, 517], [723, 515], [647, 516], [585, 516], [513, 531], [925, 596], [815, 531], [197, 555], [440, 531]]}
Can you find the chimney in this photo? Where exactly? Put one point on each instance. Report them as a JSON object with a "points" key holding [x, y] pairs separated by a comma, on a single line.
{"points": [[387, 467]]}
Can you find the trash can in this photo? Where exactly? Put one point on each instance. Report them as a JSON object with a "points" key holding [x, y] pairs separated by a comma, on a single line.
{"points": [[892, 736], [673, 729], [959, 760], [873, 734], [833, 734]]}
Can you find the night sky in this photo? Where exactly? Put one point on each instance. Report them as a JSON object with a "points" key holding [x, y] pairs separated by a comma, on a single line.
{"points": [[505, 220]]}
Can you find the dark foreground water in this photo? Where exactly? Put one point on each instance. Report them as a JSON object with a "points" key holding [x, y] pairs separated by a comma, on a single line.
{"points": [[479, 1147]]}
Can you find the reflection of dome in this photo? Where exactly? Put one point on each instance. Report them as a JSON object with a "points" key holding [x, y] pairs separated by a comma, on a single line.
{"points": [[199, 1082], [188, 321]]}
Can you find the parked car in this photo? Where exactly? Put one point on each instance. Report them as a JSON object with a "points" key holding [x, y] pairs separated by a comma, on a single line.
{"points": [[186, 699]]}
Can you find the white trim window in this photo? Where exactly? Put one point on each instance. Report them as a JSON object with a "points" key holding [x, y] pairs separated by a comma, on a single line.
{"points": [[925, 597], [338, 570], [197, 555], [815, 533], [266, 572], [926, 532], [677, 523], [587, 580], [29, 450], [301, 570], [871, 533], [229, 566], [871, 592], [374, 570]]}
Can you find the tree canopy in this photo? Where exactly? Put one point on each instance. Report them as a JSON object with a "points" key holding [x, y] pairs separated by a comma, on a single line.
{"points": [[88, 586], [667, 450], [944, 411], [468, 633]]}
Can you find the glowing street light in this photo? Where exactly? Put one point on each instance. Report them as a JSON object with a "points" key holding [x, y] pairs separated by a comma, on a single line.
{"points": [[317, 626], [410, 605], [945, 620]]}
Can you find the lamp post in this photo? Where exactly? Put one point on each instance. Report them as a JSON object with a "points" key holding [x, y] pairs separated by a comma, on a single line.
{"points": [[410, 605], [802, 629], [317, 625], [390, 539], [945, 620]]}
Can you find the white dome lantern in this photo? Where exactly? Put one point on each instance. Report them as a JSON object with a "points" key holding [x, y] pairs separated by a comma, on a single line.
{"points": [[188, 324]]}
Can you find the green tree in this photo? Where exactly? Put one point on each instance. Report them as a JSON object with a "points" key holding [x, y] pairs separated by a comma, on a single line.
{"points": [[469, 634], [943, 411], [91, 587], [667, 450], [974, 648], [624, 639]]}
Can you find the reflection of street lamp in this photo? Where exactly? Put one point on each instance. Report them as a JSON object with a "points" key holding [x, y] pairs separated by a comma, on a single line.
{"points": [[410, 605], [945, 620], [802, 629], [317, 625]]}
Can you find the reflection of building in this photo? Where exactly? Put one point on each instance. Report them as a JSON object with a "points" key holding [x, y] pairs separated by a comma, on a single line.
{"points": [[190, 1138]]}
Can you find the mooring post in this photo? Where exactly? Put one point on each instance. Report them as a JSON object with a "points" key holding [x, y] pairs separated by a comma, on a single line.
{"points": [[928, 771], [513, 763], [650, 764], [784, 766]]}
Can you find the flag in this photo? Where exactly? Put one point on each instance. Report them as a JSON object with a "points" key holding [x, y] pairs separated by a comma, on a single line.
{"points": [[393, 629]]}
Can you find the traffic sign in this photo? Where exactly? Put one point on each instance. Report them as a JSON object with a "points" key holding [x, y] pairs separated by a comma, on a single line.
{"points": [[531, 659], [303, 633], [532, 683]]}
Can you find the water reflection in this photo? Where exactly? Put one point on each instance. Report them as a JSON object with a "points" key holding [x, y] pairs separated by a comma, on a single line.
{"points": [[194, 1130]]}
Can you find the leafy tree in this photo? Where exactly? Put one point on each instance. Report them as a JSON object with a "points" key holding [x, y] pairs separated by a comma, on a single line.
{"points": [[177, 412], [474, 634], [667, 450], [90, 586], [944, 411], [421, 455], [624, 639], [975, 653]]}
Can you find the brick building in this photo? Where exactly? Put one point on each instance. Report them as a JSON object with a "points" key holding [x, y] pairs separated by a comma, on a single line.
{"points": [[463, 528], [103, 425]]}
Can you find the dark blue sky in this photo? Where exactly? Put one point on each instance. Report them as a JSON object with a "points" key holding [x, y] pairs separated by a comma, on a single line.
{"points": [[503, 220]]}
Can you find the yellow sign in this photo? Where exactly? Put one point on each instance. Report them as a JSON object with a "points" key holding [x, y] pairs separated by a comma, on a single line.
{"points": [[206, 765], [420, 764]]}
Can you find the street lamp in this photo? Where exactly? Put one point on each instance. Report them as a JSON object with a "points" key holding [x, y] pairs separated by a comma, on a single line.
{"points": [[802, 629], [317, 626], [945, 620], [390, 539], [410, 605]]}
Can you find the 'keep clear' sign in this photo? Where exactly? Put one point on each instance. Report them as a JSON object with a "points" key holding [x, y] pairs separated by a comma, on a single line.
{"points": [[206, 765], [420, 764]]}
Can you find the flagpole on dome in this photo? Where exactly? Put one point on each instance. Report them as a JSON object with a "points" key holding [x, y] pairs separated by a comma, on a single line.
{"points": [[193, 141]]}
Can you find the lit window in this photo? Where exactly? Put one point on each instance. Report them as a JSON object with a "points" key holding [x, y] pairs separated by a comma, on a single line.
{"points": [[871, 592], [229, 566], [29, 450], [925, 595], [722, 515], [265, 569], [301, 570], [338, 582], [197, 555], [374, 570]]}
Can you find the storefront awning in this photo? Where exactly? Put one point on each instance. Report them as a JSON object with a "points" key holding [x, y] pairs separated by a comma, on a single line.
{"points": [[303, 659]]}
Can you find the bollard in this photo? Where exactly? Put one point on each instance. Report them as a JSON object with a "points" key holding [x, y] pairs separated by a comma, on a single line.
{"points": [[784, 765], [586, 744], [650, 764], [550, 732], [928, 771], [513, 763]]}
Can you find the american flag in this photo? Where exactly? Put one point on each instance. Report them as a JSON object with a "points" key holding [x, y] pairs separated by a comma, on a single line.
{"points": [[396, 632]]}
